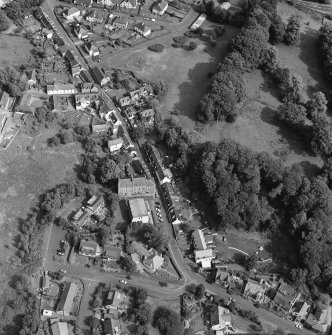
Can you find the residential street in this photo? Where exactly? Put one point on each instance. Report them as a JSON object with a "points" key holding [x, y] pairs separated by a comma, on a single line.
{"points": [[173, 290]]}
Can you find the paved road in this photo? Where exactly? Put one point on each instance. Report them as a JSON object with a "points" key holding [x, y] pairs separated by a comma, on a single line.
{"points": [[151, 285], [322, 8]]}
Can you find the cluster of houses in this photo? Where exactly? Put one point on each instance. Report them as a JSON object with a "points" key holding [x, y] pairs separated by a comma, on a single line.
{"points": [[203, 248], [164, 178], [281, 298]]}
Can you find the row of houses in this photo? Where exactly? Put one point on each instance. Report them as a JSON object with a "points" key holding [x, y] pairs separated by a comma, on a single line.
{"points": [[133, 96], [92, 249], [120, 143], [203, 245]]}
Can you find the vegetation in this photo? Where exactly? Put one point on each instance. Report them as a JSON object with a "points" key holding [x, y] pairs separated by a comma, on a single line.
{"points": [[157, 47], [4, 22], [142, 310], [167, 321], [325, 44], [292, 33], [16, 9]]}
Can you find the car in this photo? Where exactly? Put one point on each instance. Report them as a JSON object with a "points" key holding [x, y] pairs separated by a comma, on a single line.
{"points": [[158, 210], [60, 253], [160, 219], [132, 15], [158, 203], [298, 325], [63, 271], [122, 281], [256, 304]]}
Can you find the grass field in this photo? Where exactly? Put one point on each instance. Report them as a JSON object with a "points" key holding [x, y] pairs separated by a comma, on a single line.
{"points": [[15, 50], [24, 175]]}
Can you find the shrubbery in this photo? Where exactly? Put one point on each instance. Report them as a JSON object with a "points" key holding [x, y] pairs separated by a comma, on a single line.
{"points": [[157, 47]]}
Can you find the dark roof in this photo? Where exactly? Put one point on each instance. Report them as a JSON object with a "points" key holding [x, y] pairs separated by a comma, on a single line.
{"points": [[112, 252], [107, 326], [67, 298], [98, 74], [83, 2]]}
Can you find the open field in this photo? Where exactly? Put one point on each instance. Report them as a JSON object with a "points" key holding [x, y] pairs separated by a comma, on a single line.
{"points": [[24, 175], [15, 50]]}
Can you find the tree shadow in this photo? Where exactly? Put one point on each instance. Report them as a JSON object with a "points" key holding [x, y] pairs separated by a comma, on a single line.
{"points": [[268, 86], [310, 170]]}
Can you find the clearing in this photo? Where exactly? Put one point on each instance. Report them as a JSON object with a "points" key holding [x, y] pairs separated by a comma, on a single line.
{"points": [[15, 50]]}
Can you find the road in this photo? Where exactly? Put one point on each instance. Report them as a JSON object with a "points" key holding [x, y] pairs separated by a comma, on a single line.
{"points": [[321, 8], [187, 274]]}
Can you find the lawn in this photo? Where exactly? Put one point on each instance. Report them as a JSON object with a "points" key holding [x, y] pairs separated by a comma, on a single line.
{"points": [[15, 50], [24, 175]]}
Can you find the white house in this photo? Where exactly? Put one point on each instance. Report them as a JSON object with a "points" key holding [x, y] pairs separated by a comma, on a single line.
{"points": [[225, 5], [130, 4], [81, 33], [71, 13], [138, 210], [142, 29], [204, 257], [115, 145], [221, 320], [61, 89], [160, 8]]}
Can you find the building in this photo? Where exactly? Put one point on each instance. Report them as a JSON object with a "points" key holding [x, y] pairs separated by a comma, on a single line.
{"points": [[138, 210], [153, 262], [114, 118], [68, 294], [139, 249], [95, 204], [146, 90], [105, 2], [120, 22], [318, 320], [127, 143], [81, 33], [162, 175], [48, 33], [225, 5], [111, 326], [95, 17], [76, 70], [86, 3], [45, 283], [147, 115], [89, 248], [130, 4], [32, 80], [80, 218], [160, 7], [253, 290], [125, 101], [136, 187], [198, 22], [300, 310], [134, 95], [115, 300], [89, 88], [286, 297], [82, 101], [99, 76], [199, 240], [61, 89], [204, 257], [142, 29], [115, 145], [60, 328], [6, 102], [25, 104], [92, 49], [71, 13], [63, 50], [221, 319], [100, 128], [111, 253]]}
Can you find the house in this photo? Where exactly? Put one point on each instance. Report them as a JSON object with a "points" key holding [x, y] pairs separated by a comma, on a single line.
{"points": [[95, 17], [89, 88], [138, 210], [142, 29], [120, 22], [253, 290], [125, 101], [61, 89], [139, 249], [24, 104], [198, 22], [136, 187], [86, 3], [286, 297], [147, 115], [115, 300], [162, 176], [174, 216], [300, 310], [145, 90], [5, 102], [48, 33], [114, 118], [100, 128], [198, 240], [127, 143], [60, 328], [81, 33], [111, 326], [160, 7], [105, 2], [71, 13], [111, 253], [80, 218], [134, 95], [91, 49], [221, 319], [153, 262], [318, 320], [45, 283], [95, 204], [68, 294], [115, 145], [76, 70], [99, 76], [204, 257], [83, 101], [129, 4], [89, 248], [63, 50]]}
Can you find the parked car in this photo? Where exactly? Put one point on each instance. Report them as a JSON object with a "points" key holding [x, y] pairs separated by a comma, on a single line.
{"points": [[124, 282], [63, 271]]}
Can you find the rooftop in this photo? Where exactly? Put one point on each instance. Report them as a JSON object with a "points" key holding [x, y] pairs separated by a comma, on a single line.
{"points": [[137, 207]]}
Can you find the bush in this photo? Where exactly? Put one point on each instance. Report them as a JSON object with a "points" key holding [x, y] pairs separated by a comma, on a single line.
{"points": [[192, 46], [180, 39], [176, 45], [156, 47]]}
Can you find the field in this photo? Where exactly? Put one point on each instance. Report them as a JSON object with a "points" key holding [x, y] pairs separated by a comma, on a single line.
{"points": [[27, 169], [15, 50]]}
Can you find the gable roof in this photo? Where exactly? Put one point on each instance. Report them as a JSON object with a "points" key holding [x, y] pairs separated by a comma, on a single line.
{"points": [[112, 252], [140, 249], [202, 254], [141, 26], [154, 262], [60, 328], [67, 297], [161, 5], [199, 239]]}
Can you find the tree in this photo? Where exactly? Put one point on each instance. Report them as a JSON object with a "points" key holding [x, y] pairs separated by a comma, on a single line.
{"points": [[159, 88], [321, 142], [53, 141], [200, 290], [167, 321], [316, 106], [4, 22], [292, 32], [276, 30], [192, 46], [128, 264], [138, 133], [292, 114], [143, 314], [109, 170], [14, 90], [66, 136], [93, 322]]}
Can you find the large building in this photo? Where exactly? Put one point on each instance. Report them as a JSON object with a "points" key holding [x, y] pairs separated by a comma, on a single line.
{"points": [[65, 304], [160, 7], [99, 76], [198, 22], [115, 145], [204, 257], [89, 248], [136, 187], [61, 89], [60, 328], [138, 210], [199, 240]]}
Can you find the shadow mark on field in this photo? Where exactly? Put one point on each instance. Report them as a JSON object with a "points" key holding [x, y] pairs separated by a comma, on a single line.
{"points": [[310, 170]]}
